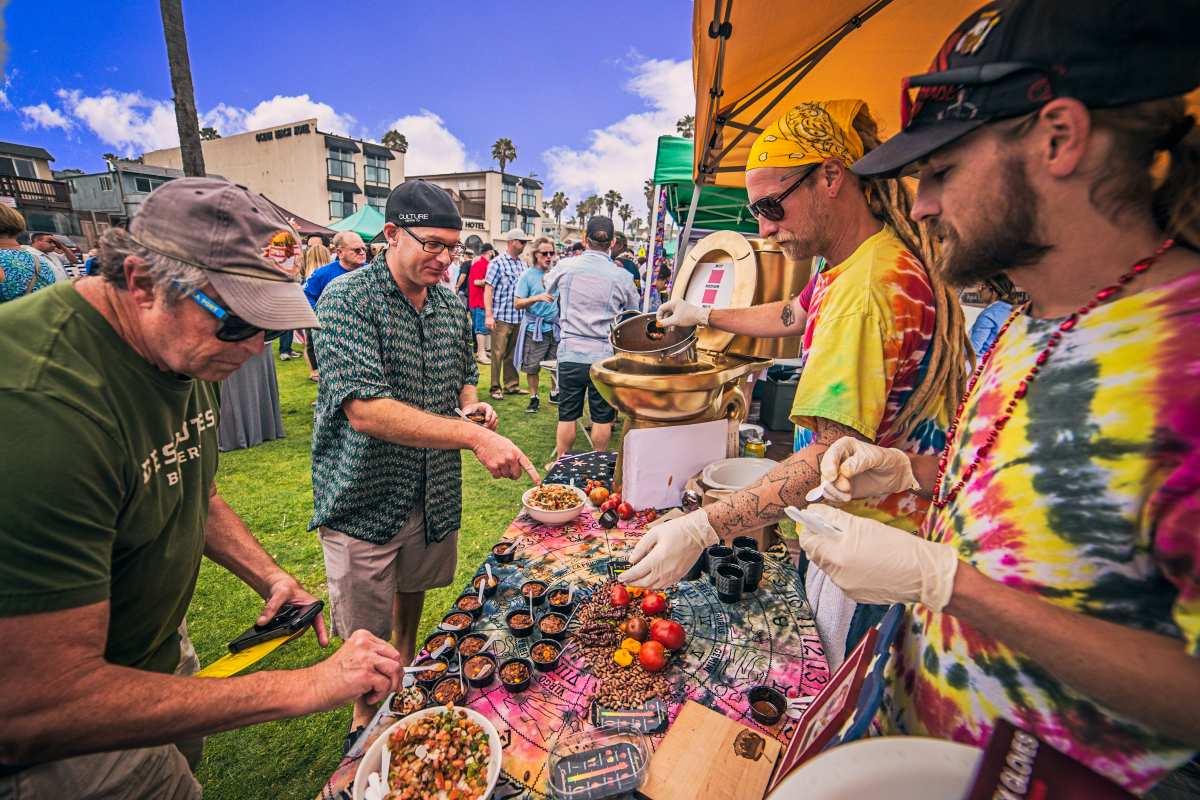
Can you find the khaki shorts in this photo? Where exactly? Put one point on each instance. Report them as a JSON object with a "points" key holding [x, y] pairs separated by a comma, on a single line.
{"points": [[158, 772], [364, 577]]}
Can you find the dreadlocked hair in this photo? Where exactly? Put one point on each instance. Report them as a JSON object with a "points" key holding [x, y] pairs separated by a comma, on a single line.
{"points": [[1154, 163], [890, 201]]}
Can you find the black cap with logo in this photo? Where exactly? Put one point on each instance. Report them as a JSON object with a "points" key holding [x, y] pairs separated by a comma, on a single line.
{"points": [[418, 204], [600, 229], [1011, 57]]}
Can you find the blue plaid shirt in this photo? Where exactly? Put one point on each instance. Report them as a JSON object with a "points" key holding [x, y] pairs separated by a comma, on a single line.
{"points": [[502, 275]]}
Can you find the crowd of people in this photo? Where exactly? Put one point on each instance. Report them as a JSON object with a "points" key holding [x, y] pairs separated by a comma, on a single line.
{"points": [[1033, 507]]}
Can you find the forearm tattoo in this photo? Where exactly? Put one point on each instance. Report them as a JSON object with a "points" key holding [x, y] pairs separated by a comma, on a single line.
{"points": [[763, 503]]}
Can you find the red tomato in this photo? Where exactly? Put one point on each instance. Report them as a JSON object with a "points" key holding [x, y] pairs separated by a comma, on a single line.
{"points": [[653, 603], [624, 511], [607, 504], [668, 633], [616, 498], [618, 596], [652, 656]]}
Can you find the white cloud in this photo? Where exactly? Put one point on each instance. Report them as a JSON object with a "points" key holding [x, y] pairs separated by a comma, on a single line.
{"points": [[276, 111], [129, 121], [4, 101], [621, 155], [432, 148], [43, 116]]}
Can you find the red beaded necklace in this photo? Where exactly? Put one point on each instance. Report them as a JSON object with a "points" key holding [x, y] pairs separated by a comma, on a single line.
{"points": [[1066, 326]]}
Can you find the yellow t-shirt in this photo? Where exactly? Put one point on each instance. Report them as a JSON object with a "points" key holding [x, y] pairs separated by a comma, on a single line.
{"points": [[869, 332]]}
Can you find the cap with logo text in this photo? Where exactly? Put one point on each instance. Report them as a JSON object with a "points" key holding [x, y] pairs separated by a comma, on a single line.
{"points": [[1011, 57], [420, 204]]}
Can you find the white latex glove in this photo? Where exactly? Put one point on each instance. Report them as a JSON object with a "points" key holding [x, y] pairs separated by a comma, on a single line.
{"points": [[667, 553], [852, 469], [682, 313], [875, 563]]}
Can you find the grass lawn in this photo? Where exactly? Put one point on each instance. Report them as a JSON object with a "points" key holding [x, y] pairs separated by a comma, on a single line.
{"points": [[270, 486]]}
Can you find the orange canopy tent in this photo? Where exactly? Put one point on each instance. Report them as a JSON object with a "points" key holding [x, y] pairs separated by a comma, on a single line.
{"points": [[754, 59]]}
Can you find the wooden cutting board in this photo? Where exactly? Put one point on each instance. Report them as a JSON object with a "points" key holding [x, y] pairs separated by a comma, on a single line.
{"points": [[706, 754]]}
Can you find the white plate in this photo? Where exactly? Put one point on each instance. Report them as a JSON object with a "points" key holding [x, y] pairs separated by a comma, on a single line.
{"points": [[372, 759], [895, 767], [732, 474], [554, 517]]}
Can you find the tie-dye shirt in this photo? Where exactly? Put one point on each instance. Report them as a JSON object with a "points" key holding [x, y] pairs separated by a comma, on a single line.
{"points": [[1090, 500], [866, 345]]}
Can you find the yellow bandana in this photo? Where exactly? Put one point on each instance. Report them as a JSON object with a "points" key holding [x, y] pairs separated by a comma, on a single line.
{"points": [[809, 134]]}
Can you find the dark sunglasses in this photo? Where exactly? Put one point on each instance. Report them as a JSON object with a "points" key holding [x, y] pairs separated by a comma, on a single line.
{"points": [[545, 252], [771, 206], [233, 328], [356, 249], [433, 246]]}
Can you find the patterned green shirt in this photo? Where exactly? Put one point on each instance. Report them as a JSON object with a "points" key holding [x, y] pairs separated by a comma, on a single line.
{"points": [[373, 343]]}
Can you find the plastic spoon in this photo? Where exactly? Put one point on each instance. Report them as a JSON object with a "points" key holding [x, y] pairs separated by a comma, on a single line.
{"points": [[816, 495], [812, 521]]}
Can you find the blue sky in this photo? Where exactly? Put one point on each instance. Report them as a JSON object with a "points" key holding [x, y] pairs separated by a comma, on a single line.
{"points": [[582, 90]]}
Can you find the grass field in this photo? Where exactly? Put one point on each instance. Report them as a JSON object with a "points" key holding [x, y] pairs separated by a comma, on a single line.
{"points": [[270, 486]]}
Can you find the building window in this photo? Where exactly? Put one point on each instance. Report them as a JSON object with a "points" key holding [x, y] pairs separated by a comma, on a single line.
{"points": [[282, 132], [527, 200], [506, 221], [20, 167], [527, 226], [376, 170], [300, 129], [142, 184], [341, 204], [508, 196], [106, 183], [378, 203], [339, 165]]}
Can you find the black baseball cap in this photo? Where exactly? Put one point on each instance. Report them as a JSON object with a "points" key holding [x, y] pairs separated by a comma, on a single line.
{"points": [[600, 229], [419, 204], [1011, 57]]}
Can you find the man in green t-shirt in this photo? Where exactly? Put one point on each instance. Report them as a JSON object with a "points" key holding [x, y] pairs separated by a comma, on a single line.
{"points": [[109, 419]]}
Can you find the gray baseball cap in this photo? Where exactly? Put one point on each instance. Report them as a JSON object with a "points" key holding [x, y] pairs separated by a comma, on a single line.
{"points": [[223, 228]]}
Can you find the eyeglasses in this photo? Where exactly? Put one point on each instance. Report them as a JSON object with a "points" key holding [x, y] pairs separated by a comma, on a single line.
{"points": [[771, 206], [233, 328], [434, 246], [355, 249], [545, 252]]}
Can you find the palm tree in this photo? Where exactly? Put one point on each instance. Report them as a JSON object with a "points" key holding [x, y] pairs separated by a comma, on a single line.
{"points": [[594, 204], [557, 205], [648, 191], [504, 151], [686, 126], [582, 212], [395, 140], [624, 212], [208, 134], [612, 199], [181, 84]]}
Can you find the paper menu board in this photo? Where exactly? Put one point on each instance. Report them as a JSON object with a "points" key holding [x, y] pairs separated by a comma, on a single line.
{"points": [[711, 285], [659, 461]]}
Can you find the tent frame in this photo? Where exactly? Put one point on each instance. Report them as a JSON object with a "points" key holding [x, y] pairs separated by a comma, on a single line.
{"points": [[708, 165]]}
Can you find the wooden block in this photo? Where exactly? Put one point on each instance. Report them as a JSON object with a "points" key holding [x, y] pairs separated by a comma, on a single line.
{"points": [[706, 754]]}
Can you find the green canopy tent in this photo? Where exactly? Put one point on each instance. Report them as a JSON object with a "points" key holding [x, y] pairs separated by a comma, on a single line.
{"points": [[367, 222], [718, 208]]}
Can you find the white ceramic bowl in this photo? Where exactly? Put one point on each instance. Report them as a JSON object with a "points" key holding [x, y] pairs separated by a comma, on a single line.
{"points": [[373, 758], [554, 517], [736, 473], [895, 767]]}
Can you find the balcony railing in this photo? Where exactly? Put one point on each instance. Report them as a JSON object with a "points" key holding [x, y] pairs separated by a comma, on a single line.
{"points": [[379, 176], [340, 169], [36, 193]]}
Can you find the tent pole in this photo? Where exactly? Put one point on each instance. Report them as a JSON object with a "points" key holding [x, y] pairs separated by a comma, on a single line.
{"points": [[650, 267], [681, 248]]}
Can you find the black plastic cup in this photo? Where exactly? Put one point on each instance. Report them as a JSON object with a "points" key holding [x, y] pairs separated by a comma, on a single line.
{"points": [[460, 694], [470, 599], [480, 637], [508, 551], [744, 541], [762, 696], [751, 562], [519, 686], [729, 582], [430, 645], [560, 635], [718, 554], [484, 680], [448, 623], [546, 666], [697, 570], [538, 599], [520, 633], [488, 589], [428, 683], [562, 608]]}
